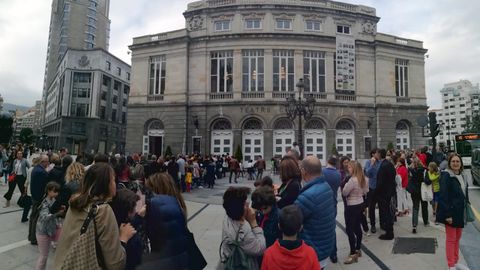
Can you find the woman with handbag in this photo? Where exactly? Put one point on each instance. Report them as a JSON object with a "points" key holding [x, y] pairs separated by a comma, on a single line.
{"points": [[172, 244], [17, 177], [415, 180], [108, 241], [453, 207]]}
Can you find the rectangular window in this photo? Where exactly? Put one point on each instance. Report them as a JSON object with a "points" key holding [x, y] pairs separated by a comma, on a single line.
{"points": [[90, 38], [82, 77], [283, 70], [401, 77], [157, 75], [124, 117], [314, 71], [119, 71], [104, 95], [223, 25], [79, 109], [117, 85], [115, 100], [343, 29], [108, 65], [253, 24], [114, 115], [103, 112], [221, 71], [106, 81], [128, 76], [312, 25], [253, 70], [285, 24], [126, 89]]}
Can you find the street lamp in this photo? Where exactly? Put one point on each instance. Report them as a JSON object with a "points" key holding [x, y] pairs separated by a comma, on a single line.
{"points": [[300, 108]]}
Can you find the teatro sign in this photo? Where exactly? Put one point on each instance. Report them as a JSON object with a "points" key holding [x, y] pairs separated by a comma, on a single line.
{"points": [[275, 109]]}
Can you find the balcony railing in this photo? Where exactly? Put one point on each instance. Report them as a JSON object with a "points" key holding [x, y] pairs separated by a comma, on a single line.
{"points": [[154, 97], [282, 94], [316, 95], [253, 94], [403, 100], [215, 96], [344, 97]]}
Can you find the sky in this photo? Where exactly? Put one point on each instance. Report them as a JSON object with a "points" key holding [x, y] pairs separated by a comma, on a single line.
{"points": [[448, 28]]}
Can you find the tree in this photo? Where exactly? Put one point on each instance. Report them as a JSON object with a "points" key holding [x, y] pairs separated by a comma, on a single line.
{"points": [[334, 150], [472, 124], [168, 151], [6, 129], [26, 135], [239, 154], [390, 146]]}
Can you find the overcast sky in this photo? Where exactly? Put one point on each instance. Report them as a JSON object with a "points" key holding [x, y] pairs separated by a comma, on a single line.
{"points": [[449, 29]]}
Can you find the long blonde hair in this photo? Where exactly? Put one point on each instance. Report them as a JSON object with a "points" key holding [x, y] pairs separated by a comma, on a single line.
{"points": [[75, 171], [358, 172]]}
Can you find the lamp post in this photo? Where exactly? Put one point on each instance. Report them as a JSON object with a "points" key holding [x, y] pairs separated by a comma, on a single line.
{"points": [[301, 108]]}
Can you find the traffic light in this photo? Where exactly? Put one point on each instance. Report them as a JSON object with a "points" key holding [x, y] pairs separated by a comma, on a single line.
{"points": [[434, 126]]}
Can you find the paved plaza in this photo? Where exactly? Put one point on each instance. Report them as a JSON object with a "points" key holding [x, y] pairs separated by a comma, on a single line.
{"points": [[205, 221]]}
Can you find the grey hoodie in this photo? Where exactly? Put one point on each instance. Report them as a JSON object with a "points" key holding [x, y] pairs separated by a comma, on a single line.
{"points": [[251, 241]]}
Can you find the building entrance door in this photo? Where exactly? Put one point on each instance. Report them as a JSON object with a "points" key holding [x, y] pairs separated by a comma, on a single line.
{"points": [[222, 141], [252, 144], [315, 144], [156, 145], [282, 141]]}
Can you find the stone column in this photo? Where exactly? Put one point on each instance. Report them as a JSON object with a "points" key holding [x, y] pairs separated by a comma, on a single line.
{"points": [[268, 72]]}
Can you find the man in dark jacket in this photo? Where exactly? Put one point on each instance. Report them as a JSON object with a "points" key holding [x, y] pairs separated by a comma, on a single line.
{"points": [[317, 205], [333, 178], [386, 189], [38, 182]]}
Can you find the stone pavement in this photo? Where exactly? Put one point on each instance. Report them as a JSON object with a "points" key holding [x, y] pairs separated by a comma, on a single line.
{"points": [[205, 220]]}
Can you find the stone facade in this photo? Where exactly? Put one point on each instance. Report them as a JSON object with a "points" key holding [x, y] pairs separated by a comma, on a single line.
{"points": [[195, 103]]}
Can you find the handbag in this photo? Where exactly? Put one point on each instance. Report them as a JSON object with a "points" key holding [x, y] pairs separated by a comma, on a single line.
{"points": [[469, 215], [24, 201], [427, 192], [11, 177], [195, 256], [83, 253]]}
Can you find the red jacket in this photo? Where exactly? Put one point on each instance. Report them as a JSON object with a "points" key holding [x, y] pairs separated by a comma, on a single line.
{"points": [[403, 172], [277, 257]]}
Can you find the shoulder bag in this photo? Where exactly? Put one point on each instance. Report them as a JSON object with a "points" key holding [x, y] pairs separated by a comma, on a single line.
{"points": [[85, 252], [237, 260]]}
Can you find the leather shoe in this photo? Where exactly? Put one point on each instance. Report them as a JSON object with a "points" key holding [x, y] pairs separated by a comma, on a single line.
{"points": [[24, 220], [386, 237], [334, 259], [373, 229]]}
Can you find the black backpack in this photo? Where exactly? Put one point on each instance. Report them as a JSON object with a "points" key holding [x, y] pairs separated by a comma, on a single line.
{"points": [[237, 259]]}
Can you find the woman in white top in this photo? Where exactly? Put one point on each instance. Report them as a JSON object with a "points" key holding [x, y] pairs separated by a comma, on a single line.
{"points": [[353, 191]]}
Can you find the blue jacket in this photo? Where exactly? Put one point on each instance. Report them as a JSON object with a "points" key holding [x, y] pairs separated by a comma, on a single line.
{"points": [[333, 178], [316, 202], [371, 173], [167, 230]]}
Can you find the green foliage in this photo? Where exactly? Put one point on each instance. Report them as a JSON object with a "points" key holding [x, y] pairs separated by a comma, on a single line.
{"points": [[390, 146], [26, 135], [168, 152], [238, 153], [334, 150], [472, 124]]}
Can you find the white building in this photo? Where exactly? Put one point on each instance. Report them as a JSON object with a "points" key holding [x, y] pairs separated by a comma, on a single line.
{"points": [[460, 100], [27, 120]]}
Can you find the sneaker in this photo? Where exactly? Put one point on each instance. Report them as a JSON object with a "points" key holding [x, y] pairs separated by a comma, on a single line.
{"points": [[373, 229], [460, 266], [414, 230]]}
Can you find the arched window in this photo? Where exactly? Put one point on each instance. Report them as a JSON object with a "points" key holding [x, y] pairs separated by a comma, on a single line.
{"points": [[252, 123], [222, 124], [344, 125], [283, 123], [314, 124]]}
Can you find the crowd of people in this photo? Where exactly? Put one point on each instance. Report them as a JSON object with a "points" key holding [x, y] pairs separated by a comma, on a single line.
{"points": [[129, 212]]}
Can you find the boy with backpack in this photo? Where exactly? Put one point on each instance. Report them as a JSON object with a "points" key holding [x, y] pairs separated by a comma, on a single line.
{"points": [[289, 252]]}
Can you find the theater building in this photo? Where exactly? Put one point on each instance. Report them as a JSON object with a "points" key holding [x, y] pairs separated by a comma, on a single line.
{"points": [[222, 82]]}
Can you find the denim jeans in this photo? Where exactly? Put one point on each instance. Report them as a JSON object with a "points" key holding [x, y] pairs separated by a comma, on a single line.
{"points": [[417, 199]]}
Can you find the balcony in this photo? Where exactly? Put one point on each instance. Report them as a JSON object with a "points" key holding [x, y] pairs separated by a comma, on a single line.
{"points": [[217, 96], [155, 98], [253, 95], [345, 97], [283, 95], [315, 95], [403, 100]]}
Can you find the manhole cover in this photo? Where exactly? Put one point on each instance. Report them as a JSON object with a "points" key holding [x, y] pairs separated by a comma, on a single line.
{"points": [[407, 245]]}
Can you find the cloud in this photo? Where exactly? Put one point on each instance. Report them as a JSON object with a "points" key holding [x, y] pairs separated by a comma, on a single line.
{"points": [[449, 30]]}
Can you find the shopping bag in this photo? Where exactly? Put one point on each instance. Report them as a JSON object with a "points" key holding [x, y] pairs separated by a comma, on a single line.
{"points": [[427, 192]]}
